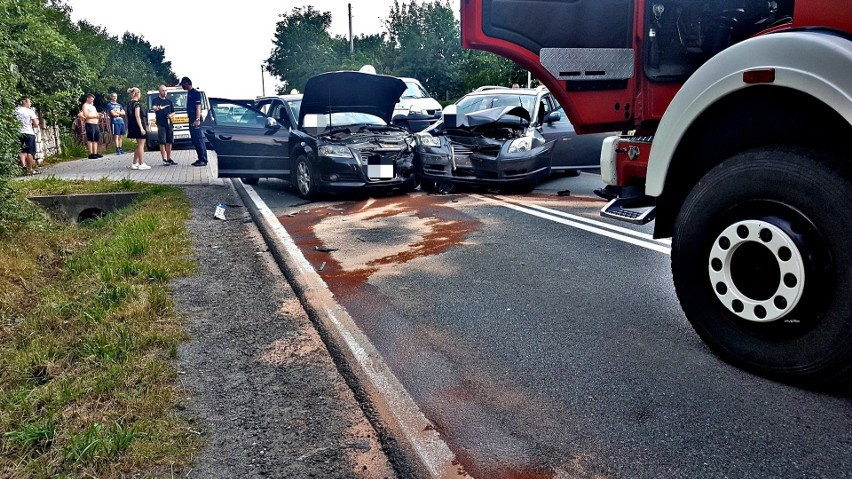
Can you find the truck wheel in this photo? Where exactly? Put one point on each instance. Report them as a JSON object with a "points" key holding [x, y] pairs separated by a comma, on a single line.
{"points": [[762, 265], [304, 179]]}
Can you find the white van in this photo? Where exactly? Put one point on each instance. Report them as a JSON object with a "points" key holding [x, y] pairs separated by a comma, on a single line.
{"points": [[416, 110], [180, 121]]}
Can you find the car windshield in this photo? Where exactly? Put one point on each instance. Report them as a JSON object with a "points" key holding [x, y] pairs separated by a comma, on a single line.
{"points": [[472, 103], [178, 98], [414, 90], [322, 123]]}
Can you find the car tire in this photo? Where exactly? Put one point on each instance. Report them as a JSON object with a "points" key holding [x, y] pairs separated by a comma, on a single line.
{"points": [[427, 185], [762, 265], [152, 145], [304, 178], [444, 187], [250, 181]]}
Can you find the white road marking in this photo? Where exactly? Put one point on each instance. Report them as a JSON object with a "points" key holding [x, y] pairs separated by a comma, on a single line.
{"points": [[599, 224], [584, 224], [417, 430]]}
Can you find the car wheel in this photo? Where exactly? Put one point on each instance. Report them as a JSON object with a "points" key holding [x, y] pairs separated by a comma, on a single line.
{"points": [[411, 184], [571, 173], [151, 145], [762, 265], [427, 185], [304, 178], [250, 181]]}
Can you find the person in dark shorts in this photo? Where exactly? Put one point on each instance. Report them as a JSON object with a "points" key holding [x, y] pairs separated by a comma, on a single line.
{"points": [[193, 111], [29, 122], [93, 131], [164, 110]]}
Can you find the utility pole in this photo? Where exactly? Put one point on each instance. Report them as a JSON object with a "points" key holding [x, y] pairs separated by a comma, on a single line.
{"points": [[351, 41], [262, 80]]}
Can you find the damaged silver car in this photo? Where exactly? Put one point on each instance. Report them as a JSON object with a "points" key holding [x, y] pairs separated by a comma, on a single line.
{"points": [[505, 138]]}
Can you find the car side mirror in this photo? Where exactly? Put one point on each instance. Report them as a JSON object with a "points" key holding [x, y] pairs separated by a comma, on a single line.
{"points": [[552, 116], [271, 123]]}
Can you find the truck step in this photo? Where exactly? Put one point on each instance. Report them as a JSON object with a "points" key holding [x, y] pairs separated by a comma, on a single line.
{"points": [[619, 209]]}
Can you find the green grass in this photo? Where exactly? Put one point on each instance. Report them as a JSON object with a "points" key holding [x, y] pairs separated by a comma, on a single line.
{"points": [[88, 330]]}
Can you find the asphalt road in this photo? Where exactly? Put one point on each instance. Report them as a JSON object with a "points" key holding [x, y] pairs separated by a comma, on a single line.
{"points": [[546, 346]]}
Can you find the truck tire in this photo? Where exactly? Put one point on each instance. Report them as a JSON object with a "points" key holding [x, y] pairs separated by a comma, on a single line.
{"points": [[304, 178], [762, 265]]}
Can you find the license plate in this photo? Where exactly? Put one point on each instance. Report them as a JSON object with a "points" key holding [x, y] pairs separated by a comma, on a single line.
{"points": [[379, 168], [180, 119]]}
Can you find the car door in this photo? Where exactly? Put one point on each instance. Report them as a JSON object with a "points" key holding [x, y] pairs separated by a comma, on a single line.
{"points": [[248, 144], [570, 150]]}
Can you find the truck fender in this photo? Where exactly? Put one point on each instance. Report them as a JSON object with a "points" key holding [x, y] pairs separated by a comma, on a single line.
{"points": [[814, 62]]}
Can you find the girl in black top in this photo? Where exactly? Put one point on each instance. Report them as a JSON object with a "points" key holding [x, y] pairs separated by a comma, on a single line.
{"points": [[136, 128]]}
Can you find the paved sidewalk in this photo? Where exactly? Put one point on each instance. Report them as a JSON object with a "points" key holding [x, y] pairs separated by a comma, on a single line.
{"points": [[116, 167]]}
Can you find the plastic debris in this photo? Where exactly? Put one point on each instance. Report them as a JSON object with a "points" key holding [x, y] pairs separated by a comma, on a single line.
{"points": [[219, 214], [325, 249], [322, 266], [564, 193]]}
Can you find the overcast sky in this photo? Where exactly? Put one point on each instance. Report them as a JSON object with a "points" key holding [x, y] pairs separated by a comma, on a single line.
{"points": [[223, 47]]}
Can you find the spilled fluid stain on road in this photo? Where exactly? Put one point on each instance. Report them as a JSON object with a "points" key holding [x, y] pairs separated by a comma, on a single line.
{"points": [[350, 243], [376, 236]]}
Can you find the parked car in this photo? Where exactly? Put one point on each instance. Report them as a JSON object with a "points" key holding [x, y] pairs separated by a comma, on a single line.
{"points": [[502, 137], [416, 109], [335, 138]]}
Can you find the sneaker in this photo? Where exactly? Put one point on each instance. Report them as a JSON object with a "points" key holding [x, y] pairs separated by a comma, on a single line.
{"points": [[167, 163], [99, 156], [134, 166], [93, 156], [143, 166], [171, 161], [199, 163], [119, 151]]}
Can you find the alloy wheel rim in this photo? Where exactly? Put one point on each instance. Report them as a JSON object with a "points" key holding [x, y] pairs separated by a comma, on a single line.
{"points": [[304, 178], [757, 271]]}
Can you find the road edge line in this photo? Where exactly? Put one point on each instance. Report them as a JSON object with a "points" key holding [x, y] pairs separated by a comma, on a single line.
{"points": [[410, 439]]}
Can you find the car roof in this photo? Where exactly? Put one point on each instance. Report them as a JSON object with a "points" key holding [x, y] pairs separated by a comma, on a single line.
{"points": [[506, 90], [281, 97]]}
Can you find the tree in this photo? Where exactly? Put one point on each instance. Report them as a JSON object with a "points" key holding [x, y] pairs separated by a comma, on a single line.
{"points": [[426, 45], [302, 47]]}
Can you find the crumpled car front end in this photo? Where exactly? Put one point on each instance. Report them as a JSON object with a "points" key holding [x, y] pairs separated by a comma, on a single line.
{"points": [[381, 160], [489, 148]]}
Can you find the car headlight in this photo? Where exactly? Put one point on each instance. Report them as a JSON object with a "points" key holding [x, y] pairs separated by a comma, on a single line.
{"points": [[521, 144], [425, 139], [415, 110], [335, 151]]}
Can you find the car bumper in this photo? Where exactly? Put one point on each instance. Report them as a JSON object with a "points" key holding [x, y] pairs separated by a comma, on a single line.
{"points": [[347, 175], [513, 169]]}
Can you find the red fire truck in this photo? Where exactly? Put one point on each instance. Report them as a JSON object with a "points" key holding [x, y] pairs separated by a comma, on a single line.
{"points": [[738, 113]]}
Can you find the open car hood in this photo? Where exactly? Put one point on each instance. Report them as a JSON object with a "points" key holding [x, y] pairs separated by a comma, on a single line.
{"points": [[493, 115], [340, 92]]}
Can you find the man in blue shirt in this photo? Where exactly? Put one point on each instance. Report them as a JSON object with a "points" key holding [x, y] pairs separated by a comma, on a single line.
{"points": [[193, 111], [116, 116]]}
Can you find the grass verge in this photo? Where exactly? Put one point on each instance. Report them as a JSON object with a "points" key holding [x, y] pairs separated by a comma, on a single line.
{"points": [[88, 332]]}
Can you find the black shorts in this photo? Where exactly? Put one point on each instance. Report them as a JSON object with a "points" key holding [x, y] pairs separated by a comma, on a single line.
{"points": [[28, 144], [166, 134], [93, 132]]}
